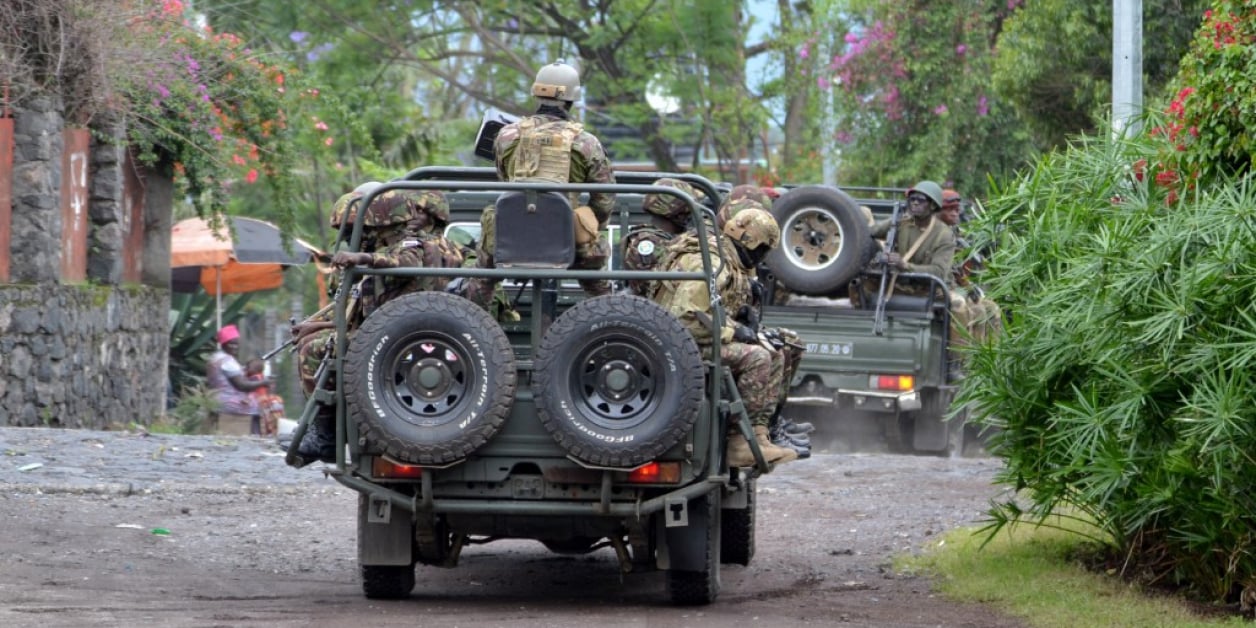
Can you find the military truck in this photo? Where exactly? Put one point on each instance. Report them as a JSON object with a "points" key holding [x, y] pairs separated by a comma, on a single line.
{"points": [[588, 423], [865, 353]]}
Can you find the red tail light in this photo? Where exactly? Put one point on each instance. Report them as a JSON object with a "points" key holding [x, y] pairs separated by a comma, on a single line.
{"points": [[382, 467], [656, 473], [892, 382]]}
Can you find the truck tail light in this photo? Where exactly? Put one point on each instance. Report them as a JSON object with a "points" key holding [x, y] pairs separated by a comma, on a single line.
{"points": [[382, 467], [656, 473], [892, 382]]}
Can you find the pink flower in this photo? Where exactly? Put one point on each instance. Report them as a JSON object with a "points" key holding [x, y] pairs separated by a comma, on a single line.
{"points": [[983, 106], [939, 110], [251, 177], [327, 142], [822, 82], [804, 52], [961, 49], [320, 125]]}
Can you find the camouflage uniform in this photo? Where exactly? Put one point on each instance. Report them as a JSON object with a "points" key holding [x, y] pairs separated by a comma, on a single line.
{"points": [[500, 307], [548, 147], [397, 247], [757, 374], [644, 245], [737, 200]]}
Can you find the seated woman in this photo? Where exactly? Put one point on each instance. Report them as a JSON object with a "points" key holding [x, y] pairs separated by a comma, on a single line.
{"points": [[234, 408]]}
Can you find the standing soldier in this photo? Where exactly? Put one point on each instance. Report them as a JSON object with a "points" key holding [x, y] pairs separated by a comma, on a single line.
{"points": [[749, 237], [644, 244], [399, 230], [550, 147]]}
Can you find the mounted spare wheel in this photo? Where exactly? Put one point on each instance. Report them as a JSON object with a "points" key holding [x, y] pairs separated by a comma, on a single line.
{"points": [[618, 381], [825, 240], [430, 377]]}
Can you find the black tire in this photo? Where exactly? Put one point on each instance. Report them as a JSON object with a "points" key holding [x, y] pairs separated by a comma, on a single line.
{"points": [[618, 381], [700, 586], [825, 240], [387, 582], [430, 378], [737, 530]]}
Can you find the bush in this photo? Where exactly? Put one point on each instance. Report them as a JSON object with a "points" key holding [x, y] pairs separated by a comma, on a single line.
{"points": [[1123, 380]]}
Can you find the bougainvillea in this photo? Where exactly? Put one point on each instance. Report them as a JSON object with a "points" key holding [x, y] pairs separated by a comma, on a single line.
{"points": [[207, 109]]}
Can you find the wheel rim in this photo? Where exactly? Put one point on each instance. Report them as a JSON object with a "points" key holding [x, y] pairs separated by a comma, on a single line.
{"points": [[812, 238], [429, 378], [615, 384]]}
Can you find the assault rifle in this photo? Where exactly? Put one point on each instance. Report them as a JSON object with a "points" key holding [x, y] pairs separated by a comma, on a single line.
{"points": [[293, 322], [878, 320]]}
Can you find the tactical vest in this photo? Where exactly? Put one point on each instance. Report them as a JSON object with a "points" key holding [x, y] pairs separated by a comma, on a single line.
{"points": [[732, 285], [543, 153]]}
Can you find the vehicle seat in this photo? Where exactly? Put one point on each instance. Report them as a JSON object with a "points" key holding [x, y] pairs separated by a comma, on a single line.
{"points": [[535, 230]]}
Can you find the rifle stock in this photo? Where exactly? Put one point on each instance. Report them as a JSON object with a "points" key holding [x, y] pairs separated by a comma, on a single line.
{"points": [[878, 320], [321, 312]]}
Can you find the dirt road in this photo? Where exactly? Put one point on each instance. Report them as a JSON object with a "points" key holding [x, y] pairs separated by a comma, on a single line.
{"points": [[123, 529]]}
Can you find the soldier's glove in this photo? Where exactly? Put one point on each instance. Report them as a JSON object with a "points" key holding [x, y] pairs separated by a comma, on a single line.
{"points": [[741, 333], [748, 316], [756, 292]]}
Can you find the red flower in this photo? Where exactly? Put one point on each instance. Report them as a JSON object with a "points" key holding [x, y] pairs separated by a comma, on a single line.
{"points": [[1140, 169], [251, 177], [1166, 178]]}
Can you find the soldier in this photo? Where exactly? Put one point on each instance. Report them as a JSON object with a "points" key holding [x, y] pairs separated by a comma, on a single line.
{"points": [[786, 347], [750, 236], [549, 146], [644, 245], [923, 244], [400, 230], [986, 317]]}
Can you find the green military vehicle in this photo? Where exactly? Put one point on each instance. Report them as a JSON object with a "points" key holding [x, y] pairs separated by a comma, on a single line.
{"points": [[587, 423], [865, 353]]}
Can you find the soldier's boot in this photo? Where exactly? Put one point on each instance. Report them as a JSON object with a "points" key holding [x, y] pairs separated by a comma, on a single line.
{"points": [[319, 443], [739, 454]]}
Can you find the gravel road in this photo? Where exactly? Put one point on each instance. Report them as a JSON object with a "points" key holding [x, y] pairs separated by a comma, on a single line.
{"points": [[130, 529]]}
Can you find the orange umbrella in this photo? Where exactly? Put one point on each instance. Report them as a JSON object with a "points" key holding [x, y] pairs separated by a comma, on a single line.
{"points": [[242, 255]]}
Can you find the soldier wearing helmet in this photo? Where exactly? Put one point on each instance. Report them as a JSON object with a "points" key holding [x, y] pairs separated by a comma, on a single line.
{"points": [[548, 146], [748, 237], [924, 243], [737, 200], [399, 230], [644, 244]]}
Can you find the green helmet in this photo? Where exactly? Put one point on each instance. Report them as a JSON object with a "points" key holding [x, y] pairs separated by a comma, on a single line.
{"points": [[931, 190], [753, 227], [557, 83], [670, 207], [341, 208], [433, 203], [739, 198]]}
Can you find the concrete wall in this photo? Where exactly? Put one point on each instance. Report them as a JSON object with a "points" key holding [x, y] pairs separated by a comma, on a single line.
{"points": [[89, 353]]}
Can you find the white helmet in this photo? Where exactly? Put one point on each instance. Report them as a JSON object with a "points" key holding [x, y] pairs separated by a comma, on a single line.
{"points": [[557, 83]]}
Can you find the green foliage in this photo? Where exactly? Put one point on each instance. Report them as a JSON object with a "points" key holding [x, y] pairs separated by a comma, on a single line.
{"points": [[1211, 118], [1122, 382], [1054, 60], [913, 94], [188, 415]]}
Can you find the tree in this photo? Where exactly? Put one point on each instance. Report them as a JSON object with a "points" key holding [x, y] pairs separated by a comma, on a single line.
{"points": [[1054, 61]]}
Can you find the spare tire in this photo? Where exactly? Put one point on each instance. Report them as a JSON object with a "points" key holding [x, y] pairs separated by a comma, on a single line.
{"points": [[825, 240], [429, 377], [618, 381]]}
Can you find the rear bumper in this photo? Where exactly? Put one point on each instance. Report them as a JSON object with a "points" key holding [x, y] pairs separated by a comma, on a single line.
{"points": [[853, 399]]}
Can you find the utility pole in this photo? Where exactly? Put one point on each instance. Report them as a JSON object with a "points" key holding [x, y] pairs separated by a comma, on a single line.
{"points": [[1127, 65], [829, 150]]}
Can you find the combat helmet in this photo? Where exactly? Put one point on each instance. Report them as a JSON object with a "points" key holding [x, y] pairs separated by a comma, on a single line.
{"points": [[557, 83], [753, 228], [341, 208], [737, 200], [432, 203], [929, 189], [671, 207]]}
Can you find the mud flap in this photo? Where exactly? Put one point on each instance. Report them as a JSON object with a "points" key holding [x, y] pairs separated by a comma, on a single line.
{"points": [[689, 547], [385, 534]]}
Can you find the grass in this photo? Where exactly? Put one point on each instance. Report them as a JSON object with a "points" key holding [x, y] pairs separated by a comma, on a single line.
{"points": [[1030, 572]]}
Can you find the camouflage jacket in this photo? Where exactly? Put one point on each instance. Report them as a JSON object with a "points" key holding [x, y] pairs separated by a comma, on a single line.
{"points": [[426, 250], [690, 301], [643, 249], [588, 161]]}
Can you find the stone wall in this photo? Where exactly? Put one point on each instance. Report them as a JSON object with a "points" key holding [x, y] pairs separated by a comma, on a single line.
{"points": [[92, 353], [82, 356]]}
